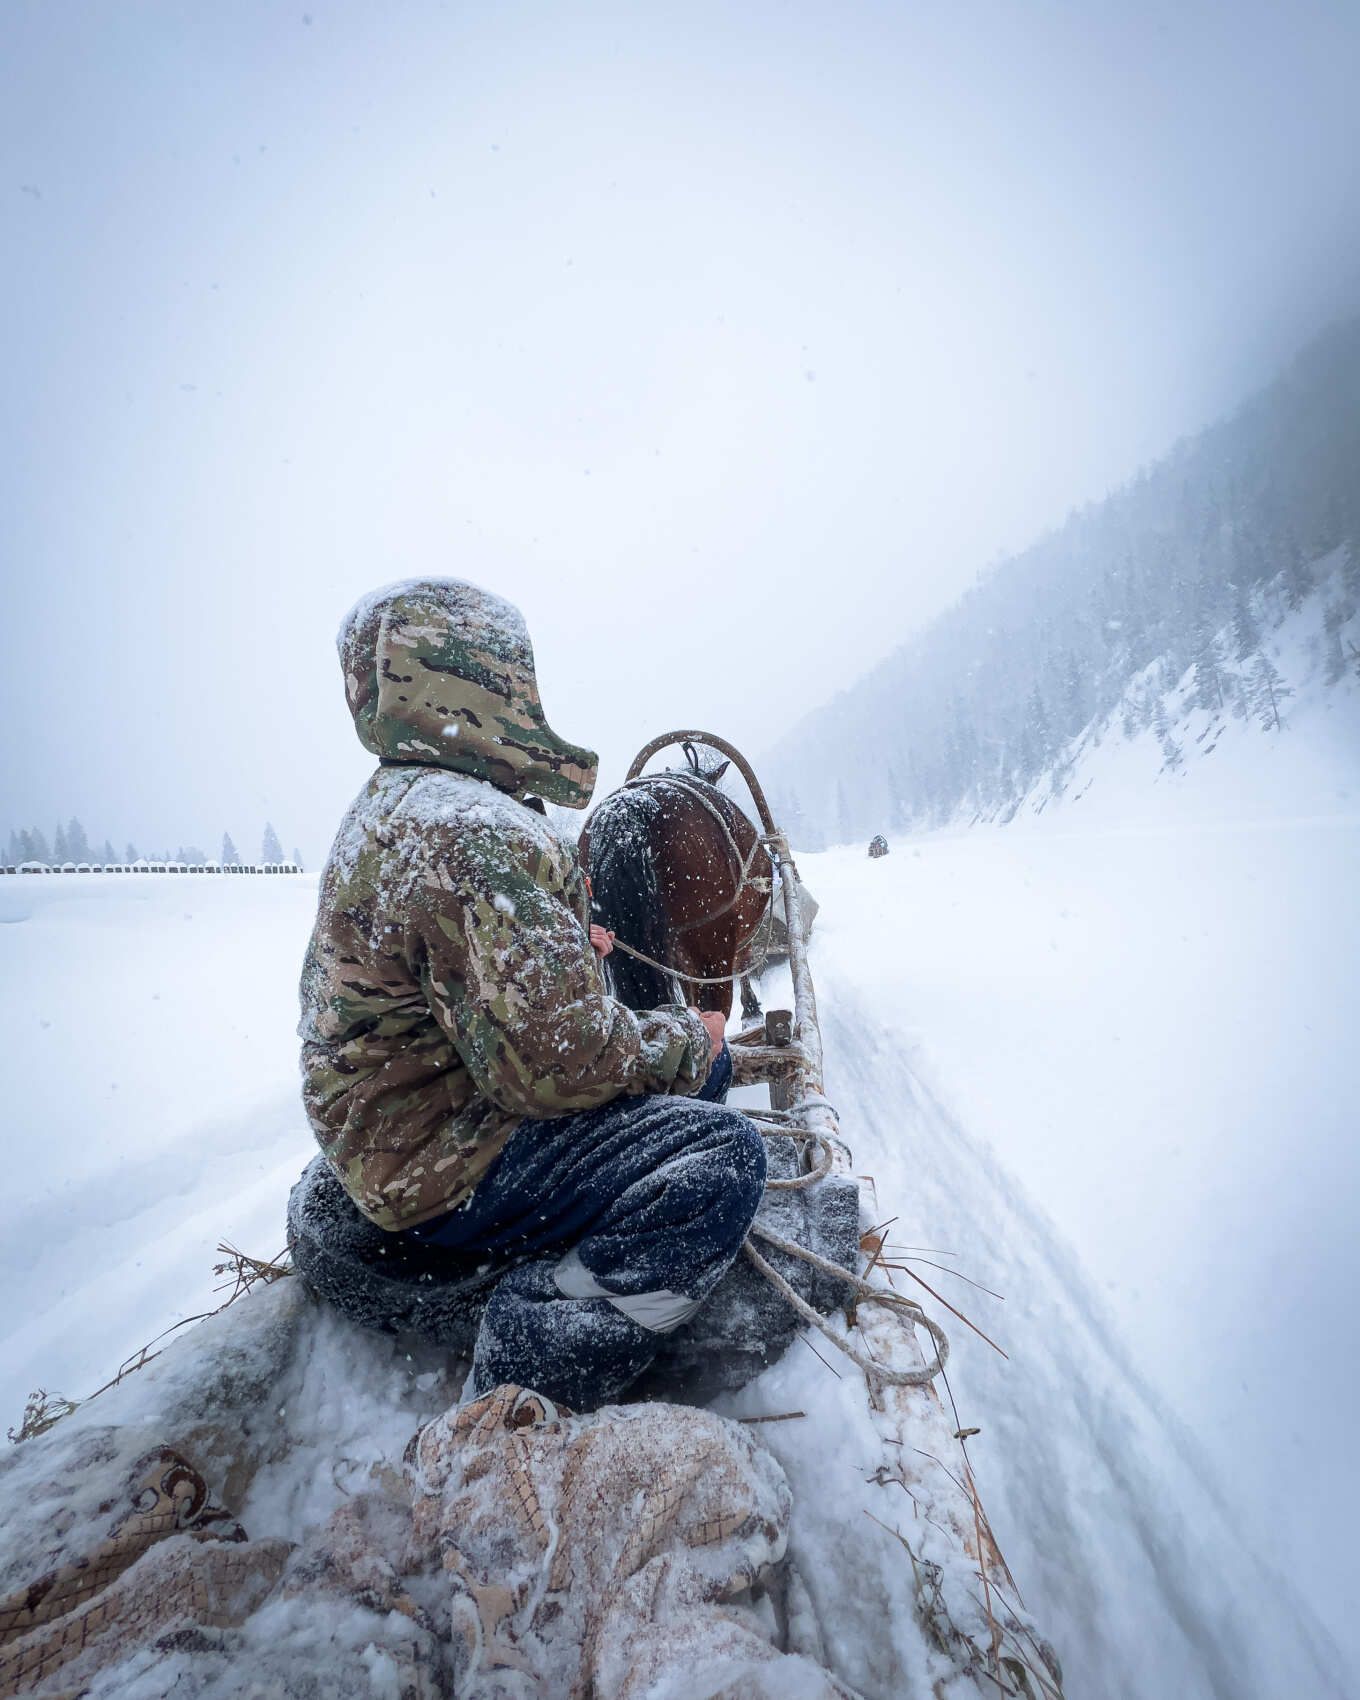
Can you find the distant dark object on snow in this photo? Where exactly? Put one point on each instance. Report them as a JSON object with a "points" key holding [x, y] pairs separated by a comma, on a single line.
{"points": [[878, 845]]}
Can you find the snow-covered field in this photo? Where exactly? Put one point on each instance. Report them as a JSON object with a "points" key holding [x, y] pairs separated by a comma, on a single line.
{"points": [[152, 1106], [1104, 1059]]}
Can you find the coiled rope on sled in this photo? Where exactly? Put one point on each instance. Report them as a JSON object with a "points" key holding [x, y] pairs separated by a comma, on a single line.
{"points": [[865, 1291]]}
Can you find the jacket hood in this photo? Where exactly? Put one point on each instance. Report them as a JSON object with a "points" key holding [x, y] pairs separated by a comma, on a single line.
{"points": [[441, 672]]}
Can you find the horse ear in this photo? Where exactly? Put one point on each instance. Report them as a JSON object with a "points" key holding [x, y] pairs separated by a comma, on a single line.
{"points": [[714, 774]]}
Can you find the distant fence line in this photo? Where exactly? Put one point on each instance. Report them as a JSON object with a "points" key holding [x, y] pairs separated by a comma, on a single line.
{"points": [[144, 867]]}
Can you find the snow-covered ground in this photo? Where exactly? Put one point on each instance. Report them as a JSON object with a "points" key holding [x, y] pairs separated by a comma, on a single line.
{"points": [[151, 1108], [1116, 1082], [1102, 1058]]}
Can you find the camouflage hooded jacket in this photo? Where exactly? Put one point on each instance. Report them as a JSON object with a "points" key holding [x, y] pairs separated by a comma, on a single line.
{"points": [[449, 989]]}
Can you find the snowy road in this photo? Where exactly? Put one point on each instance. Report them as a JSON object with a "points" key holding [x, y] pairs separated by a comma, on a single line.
{"points": [[1107, 1071]]}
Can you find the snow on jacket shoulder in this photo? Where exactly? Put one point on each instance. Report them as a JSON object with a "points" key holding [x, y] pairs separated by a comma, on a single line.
{"points": [[449, 989]]}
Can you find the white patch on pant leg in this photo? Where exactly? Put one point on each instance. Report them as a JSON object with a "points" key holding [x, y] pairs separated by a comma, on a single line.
{"points": [[660, 1311]]}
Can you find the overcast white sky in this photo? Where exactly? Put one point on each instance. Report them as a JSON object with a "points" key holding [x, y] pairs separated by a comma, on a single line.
{"points": [[730, 341]]}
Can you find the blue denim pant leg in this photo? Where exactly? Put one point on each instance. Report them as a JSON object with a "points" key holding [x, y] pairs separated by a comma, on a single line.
{"points": [[621, 1221], [714, 1089]]}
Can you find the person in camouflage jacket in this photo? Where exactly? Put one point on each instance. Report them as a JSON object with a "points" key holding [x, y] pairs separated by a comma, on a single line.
{"points": [[466, 1073]]}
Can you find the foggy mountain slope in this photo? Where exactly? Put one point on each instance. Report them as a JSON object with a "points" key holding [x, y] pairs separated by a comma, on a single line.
{"points": [[1193, 565]]}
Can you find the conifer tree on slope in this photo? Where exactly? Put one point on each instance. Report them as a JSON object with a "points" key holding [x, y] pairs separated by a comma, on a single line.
{"points": [[1298, 576], [1208, 684], [270, 848], [1350, 576], [231, 856], [1266, 689], [77, 844], [1333, 618], [1246, 631]]}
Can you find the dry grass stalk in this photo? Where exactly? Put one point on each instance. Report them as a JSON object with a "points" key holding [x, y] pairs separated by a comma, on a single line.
{"points": [[940, 1298]]}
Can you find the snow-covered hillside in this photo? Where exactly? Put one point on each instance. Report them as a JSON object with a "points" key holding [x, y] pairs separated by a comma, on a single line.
{"points": [[1285, 743], [1050, 1051]]}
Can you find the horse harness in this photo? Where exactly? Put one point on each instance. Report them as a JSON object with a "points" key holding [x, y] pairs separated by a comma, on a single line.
{"points": [[697, 787]]}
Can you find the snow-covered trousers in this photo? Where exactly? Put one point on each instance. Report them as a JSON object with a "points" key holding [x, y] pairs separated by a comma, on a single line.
{"points": [[619, 1222]]}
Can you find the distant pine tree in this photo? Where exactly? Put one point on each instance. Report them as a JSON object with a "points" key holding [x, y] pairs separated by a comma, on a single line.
{"points": [[1334, 655], [231, 857], [77, 844], [1236, 695], [1266, 691], [297, 858], [270, 848], [1298, 577], [14, 853], [60, 852], [108, 853], [1208, 682], [1039, 727], [1350, 577], [131, 853], [1245, 627], [38, 850]]}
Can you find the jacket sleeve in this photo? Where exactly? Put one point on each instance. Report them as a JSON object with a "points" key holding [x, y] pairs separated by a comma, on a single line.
{"points": [[511, 977]]}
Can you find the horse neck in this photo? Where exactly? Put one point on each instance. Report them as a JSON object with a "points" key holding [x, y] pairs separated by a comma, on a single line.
{"points": [[621, 859]]}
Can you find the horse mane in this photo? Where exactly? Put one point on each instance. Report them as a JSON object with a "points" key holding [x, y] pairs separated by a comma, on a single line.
{"points": [[626, 890], [626, 896]]}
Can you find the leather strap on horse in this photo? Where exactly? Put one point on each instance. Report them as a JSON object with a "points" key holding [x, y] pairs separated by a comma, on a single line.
{"points": [[694, 786]]}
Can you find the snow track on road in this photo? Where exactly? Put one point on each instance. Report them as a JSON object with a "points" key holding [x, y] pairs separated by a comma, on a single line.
{"points": [[1110, 1517]]}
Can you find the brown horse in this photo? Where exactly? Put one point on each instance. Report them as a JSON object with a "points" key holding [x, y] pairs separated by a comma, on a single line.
{"points": [[680, 874]]}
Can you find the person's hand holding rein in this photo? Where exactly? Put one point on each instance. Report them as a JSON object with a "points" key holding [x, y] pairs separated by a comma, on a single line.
{"points": [[602, 942], [716, 1023]]}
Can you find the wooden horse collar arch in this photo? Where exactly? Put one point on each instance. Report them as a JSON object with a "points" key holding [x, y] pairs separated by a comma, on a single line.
{"points": [[733, 754]]}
